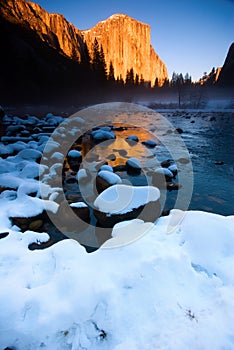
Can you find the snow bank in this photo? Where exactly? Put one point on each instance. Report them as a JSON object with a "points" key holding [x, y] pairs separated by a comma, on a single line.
{"points": [[120, 199], [159, 292]]}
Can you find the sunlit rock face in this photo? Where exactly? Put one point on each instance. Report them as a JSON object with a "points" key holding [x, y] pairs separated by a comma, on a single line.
{"points": [[54, 29], [126, 42]]}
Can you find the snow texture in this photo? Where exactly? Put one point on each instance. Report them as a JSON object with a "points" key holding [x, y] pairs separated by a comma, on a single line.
{"points": [[109, 177], [121, 199], [159, 292]]}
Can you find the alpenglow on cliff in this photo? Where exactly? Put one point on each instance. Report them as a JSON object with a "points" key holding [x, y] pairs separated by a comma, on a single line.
{"points": [[125, 41]]}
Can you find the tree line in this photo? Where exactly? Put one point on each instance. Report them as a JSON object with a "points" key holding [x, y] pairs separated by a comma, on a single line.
{"points": [[105, 73]]}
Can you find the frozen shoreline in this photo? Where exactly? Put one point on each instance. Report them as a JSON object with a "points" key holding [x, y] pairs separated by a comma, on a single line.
{"points": [[147, 288]]}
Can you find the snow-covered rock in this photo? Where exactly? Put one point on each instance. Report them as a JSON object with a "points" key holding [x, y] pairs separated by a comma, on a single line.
{"points": [[106, 179], [120, 199], [106, 168], [132, 139], [149, 143], [30, 154], [102, 135], [121, 202], [133, 166]]}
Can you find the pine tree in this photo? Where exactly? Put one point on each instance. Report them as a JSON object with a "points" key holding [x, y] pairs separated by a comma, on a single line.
{"points": [[137, 80], [98, 61], [85, 57], [156, 84], [130, 77], [111, 73]]}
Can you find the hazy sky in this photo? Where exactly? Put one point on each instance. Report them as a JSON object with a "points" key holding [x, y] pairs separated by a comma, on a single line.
{"points": [[189, 35]]}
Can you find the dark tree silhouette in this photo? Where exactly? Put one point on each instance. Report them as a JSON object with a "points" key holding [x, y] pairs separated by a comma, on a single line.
{"points": [[98, 61], [156, 84], [111, 73], [130, 77], [137, 80], [85, 56]]}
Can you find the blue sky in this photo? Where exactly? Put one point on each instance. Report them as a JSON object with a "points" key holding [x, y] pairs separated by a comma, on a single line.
{"points": [[189, 35]]}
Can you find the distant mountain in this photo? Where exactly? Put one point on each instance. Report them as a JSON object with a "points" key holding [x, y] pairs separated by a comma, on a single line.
{"points": [[126, 43], [226, 76]]}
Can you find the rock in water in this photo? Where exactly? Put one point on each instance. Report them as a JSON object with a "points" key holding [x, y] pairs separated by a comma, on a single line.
{"points": [[133, 166], [106, 179], [121, 202], [149, 143], [74, 159]]}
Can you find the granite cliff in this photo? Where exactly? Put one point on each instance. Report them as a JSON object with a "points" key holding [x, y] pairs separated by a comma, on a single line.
{"points": [[125, 41]]}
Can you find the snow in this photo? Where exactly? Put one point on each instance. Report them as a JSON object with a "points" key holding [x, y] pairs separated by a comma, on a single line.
{"points": [[132, 138], [134, 163], [81, 175], [103, 135], [109, 177], [121, 199], [74, 154], [164, 171], [30, 154], [173, 168], [146, 294], [78, 205], [107, 168], [163, 285]]}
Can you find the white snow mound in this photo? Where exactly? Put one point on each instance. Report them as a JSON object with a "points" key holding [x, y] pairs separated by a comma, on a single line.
{"points": [[120, 199]]}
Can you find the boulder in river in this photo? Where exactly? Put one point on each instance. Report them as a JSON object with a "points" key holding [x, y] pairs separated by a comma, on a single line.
{"points": [[122, 202]]}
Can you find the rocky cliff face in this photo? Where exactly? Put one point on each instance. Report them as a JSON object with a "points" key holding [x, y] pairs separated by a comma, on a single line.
{"points": [[126, 42], [53, 29], [226, 76]]}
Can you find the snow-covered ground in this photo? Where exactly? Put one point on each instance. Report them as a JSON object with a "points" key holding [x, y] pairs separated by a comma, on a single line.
{"points": [[167, 285], [162, 291]]}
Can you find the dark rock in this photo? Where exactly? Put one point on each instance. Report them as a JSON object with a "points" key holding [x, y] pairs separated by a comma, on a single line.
{"points": [[70, 223], [111, 157], [173, 186], [192, 121], [149, 143], [149, 212], [122, 152], [70, 179], [74, 158], [132, 140], [120, 168], [212, 119], [102, 183], [178, 131], [219, 163], [35, 225], [165, 212], [166, 163], [133, 166], [30, 223], [82, 212], [3, 234]]}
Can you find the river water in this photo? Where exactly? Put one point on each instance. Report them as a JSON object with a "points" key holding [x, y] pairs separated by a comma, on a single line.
{"points": [[209, 139]]}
